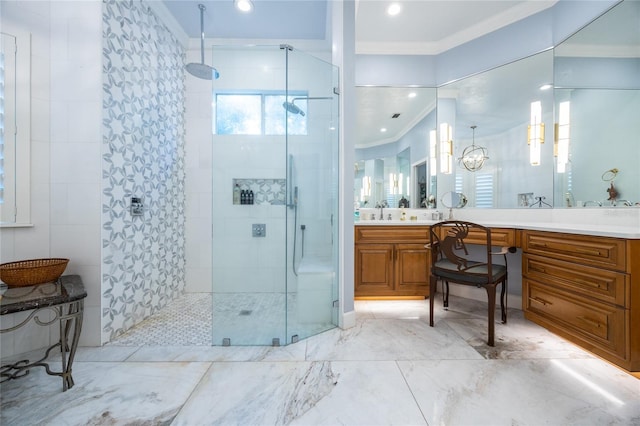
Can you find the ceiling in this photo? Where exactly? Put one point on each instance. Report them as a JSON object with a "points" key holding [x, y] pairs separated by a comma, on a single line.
{"points": [[422, 27], [425, 27]]}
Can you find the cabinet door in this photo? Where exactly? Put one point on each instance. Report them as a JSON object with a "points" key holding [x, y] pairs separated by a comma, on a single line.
{"points": [[412, 270], [374, 270]]}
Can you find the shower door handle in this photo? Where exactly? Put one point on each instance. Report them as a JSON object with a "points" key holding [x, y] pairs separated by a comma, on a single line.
{"points": [[331, 228]]}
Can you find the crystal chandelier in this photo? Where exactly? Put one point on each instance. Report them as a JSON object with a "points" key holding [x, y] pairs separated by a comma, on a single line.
{"points": [[473, 156]]}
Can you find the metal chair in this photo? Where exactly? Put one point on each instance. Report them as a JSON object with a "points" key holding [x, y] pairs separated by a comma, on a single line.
{"points": [[450, 262]]}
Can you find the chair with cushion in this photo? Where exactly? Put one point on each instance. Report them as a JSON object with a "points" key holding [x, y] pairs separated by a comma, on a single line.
{"points": [[450, 262]]}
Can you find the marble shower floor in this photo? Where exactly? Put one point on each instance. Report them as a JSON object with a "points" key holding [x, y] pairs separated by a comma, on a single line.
{"points": [[187, 321], [391, 368]]}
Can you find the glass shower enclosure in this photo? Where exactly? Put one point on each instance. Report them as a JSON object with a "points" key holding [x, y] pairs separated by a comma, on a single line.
{"points": [[275, 196]]}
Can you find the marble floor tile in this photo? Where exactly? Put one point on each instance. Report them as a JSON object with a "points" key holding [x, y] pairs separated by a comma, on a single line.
{"points": [[294, 352], [519, 338], [390, 339], [305, 393], [523, 392], [104, 393]]}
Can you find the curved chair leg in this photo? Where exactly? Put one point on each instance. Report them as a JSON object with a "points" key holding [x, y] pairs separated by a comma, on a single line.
{"points": [[445, 294], [503, 301], [491, 295], [433, 283]]}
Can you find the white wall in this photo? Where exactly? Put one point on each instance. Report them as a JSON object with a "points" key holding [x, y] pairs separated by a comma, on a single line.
{"points": [[65, 155]]}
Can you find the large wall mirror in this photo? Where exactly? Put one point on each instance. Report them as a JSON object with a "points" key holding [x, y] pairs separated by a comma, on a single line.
{"points": [[597, 79], [394, 128], [556, 129], [495, 135]]}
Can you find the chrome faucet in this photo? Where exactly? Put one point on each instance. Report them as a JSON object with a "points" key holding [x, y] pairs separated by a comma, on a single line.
{"points": [[597, 203], [381, 205]]}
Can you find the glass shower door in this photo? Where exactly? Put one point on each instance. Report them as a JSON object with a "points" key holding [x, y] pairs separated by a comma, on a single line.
{"points": [[274, 196], [312, 227]]}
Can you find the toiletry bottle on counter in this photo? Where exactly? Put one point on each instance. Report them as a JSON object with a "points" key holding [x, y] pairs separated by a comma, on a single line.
{"points": [[236, 194]]}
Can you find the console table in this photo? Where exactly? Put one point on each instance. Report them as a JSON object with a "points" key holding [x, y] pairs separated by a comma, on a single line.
{"points": [[61, 301]]}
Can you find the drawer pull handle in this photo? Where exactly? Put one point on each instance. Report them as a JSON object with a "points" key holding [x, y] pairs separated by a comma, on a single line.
{"points": [[537, 269], [587, 251], [587, 283], [541, 301], [590, 321], [534, 244]]}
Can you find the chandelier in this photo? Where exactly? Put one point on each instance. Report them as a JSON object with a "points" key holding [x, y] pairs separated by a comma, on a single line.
{"points": [[473, 156]]}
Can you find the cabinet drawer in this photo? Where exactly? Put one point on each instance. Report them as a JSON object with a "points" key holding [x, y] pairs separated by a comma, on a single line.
{"points": [[594, 322], [503, 237], [602, 284], [391, 234], [594, 251]]}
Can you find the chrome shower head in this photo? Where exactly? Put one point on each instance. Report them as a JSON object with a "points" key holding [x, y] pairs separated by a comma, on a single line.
{"points": [[292, 108], [202, 70], [295, 109]]}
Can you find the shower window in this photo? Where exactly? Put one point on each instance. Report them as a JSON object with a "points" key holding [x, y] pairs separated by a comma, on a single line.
{"points": [[257, 114]]}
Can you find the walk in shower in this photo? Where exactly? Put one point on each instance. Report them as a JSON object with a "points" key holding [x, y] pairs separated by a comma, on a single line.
{"points": [[275, 195]]}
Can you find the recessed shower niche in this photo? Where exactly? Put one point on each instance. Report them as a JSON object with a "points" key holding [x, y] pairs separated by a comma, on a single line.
{"points": [[264, 191]]}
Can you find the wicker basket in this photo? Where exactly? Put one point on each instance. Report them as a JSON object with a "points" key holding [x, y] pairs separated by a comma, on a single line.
{"points": [[31, 272]]}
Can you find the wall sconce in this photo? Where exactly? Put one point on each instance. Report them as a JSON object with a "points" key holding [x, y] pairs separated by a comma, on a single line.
{"points": [[562, 137], [446, 149], [365, 191], [394, 185], [433, 161], [535, 133]]}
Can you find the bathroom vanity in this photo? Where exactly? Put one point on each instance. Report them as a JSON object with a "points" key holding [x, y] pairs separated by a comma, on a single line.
{"points": [[581, 282]]}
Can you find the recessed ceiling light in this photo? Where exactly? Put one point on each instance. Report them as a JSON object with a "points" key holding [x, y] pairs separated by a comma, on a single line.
{"points": [[393, 9], [412, 95], [244, 5], [384, 129]]}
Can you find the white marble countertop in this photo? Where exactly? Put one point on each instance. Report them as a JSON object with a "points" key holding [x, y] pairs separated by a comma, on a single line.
{"points": [[606, 222]]}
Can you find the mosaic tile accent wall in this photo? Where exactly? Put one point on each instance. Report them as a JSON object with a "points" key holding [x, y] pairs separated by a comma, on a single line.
{"points": [[143, 257]]}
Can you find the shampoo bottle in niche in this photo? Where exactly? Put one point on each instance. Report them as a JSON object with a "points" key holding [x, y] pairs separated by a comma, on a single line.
{"points": [[236, 194], [250, 197], [243, 197]]}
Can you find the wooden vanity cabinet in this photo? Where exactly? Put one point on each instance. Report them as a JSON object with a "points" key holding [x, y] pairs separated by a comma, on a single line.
{"points": [[585, 289], [391, 261]]}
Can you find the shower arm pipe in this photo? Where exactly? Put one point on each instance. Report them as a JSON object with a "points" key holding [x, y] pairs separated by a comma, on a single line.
{"points": [[201, 7], [293, 101]]}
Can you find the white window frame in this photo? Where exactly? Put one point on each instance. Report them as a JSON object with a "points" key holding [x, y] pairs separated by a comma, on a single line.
{"points": [[16, 211]]}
